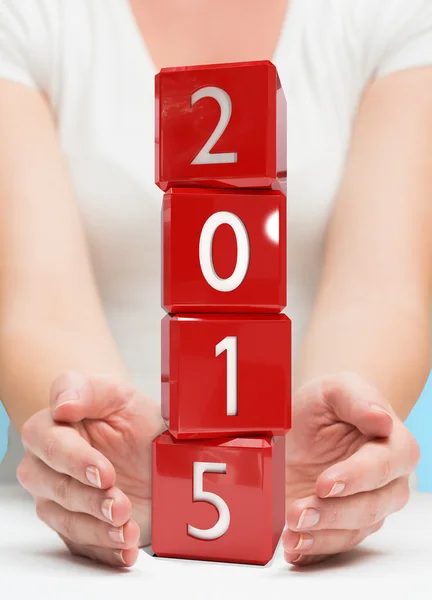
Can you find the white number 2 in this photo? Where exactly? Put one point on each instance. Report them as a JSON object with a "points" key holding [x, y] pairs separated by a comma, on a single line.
{"points": [[229, 344], [222, 98], [199, 495]]}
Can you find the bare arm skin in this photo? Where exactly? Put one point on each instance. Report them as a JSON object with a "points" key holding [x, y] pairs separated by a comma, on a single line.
{"points": [[373, 306], [365, 357], [51, 319]]}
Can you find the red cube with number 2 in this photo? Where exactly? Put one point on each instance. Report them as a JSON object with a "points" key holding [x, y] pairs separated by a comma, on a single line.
{"points": [[218, 500], [221, 126]]}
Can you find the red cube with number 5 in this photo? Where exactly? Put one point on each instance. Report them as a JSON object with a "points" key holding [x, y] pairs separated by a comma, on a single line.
{"points": [[218, 500], [224, 251], [221, 126], [226, 375]]}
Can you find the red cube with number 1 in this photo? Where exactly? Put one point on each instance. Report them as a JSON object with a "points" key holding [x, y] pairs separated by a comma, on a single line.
{"points": [[218, 500], [221, 125], [226, 375], [224, 251]]}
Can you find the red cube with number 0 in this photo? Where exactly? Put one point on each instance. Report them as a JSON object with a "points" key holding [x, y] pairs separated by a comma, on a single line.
{"points": [[226, 374], [218, 500], [224, 251], [221, 125]]}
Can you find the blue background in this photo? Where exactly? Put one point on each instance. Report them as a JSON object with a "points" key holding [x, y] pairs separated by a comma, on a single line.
{"points": [[419, 422], [4, 423]]}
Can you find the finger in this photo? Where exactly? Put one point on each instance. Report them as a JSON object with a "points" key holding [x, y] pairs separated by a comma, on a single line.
{"points": [[111, 506], [74, 397], [358, 403], [86, 530], [63, 449], [115, 558], [328, 541], [374, 465], [353, 512], [304, 560]]}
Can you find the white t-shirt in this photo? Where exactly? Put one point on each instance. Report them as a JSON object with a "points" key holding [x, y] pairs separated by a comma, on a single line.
{"points": [[88, 56]]}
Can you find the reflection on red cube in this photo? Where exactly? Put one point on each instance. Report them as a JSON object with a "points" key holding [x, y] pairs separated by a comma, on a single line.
{"points": [[220, 500], [220, 125], [224, 251], [226, 375]]}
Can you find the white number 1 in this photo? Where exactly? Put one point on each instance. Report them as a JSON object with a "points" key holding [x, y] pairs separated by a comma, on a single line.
{"points": [[229, 344], [222, 98], [199, 495]]}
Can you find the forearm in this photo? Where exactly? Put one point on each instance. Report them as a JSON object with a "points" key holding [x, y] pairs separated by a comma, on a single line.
{"points": [[32, 357], [382, 337], [51, 317]]}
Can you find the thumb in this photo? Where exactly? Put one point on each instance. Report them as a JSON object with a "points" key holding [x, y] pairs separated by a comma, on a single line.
{"points": [[357, 402], [74, 397]]}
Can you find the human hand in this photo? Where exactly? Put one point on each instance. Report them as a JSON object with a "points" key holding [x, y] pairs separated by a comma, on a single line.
{"points": [[88, 466], [349, 458]]}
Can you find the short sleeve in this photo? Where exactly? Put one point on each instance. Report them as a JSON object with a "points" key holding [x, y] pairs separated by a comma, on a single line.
{"points": [[15, 41], [403, 34]]}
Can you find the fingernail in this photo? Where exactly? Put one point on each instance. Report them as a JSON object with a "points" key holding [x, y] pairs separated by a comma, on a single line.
{"points": [[116, 534], [93, 475], [337, 488], [289, 558], [309, 518], [66, 397], [119, 554], [107, 506], [304, 543], [378, 408]]}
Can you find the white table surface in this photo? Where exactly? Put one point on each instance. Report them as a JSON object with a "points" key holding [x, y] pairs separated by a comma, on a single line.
{"points": [[394, 563]]}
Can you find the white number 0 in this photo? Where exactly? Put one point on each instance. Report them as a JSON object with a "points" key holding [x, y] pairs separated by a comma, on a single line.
{"points": [[206, 246], [199, 495], [222, 98]]}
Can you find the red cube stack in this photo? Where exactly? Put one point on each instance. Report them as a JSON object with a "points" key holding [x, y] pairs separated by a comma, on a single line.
{"points": [[219, 470]]}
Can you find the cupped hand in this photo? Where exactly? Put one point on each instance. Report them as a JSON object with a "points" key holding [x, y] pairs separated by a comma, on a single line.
{"points": [[88, 466], [349, 458]]}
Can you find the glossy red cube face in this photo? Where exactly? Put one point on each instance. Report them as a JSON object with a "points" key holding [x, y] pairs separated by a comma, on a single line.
{"points": [[224, 251], [221, 125], [218, 500], [226, 375]]}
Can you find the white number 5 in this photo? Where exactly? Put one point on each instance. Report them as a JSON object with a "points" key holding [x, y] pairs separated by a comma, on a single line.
{"points": [[222, 98], [199, 495]]}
